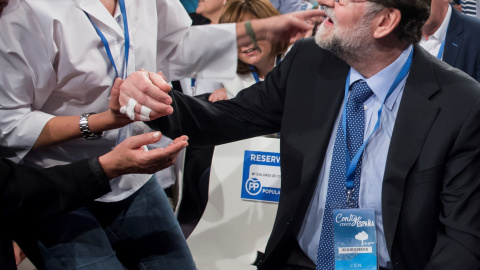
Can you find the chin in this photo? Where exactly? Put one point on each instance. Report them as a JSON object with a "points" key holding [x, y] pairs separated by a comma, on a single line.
{"points": [[323, 37]]}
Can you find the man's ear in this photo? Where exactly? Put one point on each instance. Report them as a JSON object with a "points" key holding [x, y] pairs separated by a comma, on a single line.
{"points": [[386, 21]]}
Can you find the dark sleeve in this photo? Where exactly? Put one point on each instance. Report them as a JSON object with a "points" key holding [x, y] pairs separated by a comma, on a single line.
{"points": [[457, 245], [255, 111], [33, 193]]}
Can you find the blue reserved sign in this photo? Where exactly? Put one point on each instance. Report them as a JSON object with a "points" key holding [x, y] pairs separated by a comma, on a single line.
{"points": [[261, 176]]}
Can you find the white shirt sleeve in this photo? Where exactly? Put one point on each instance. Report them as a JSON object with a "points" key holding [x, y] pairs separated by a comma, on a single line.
{"points": [[26, 80], [208, 52]]}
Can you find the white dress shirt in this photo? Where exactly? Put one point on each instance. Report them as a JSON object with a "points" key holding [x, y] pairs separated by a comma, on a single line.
{"points": [[434, 42], [373, 160], [239, 83], [53, 63]]}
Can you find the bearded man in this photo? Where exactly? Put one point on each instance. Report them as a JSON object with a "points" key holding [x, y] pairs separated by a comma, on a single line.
{"points": [[368, 119]]}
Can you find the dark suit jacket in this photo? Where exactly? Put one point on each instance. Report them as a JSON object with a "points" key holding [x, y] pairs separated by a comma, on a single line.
{"points": [[29, 194], [462, 44], [431, 188]]}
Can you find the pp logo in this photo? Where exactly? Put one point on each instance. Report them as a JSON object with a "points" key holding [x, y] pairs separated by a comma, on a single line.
{"points": [[253, 186]]}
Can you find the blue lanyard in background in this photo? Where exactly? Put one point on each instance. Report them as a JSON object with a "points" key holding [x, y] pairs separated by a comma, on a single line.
{"points": [[126, 35], [442, 47], [352, 164], [254, 72], [193, 86], [440, 51]]}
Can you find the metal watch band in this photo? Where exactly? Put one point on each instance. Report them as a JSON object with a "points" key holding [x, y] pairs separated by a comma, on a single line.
{"points": [[86, 133]]}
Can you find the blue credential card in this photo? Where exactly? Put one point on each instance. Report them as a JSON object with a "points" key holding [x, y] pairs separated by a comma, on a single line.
{"points": [[261, 176], [355, 239]]}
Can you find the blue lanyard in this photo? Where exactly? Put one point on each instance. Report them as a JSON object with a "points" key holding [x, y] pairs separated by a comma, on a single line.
{"points": [[126, 34], [193, 86], [442, 47], [352, 164], [440, 51], [254, 72]]}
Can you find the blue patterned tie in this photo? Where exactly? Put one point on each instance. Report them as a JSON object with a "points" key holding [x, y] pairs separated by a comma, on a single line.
{"points": [[336, 194]]}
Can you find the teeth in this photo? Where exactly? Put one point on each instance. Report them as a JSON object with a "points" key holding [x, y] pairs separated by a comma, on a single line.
{"points": [[249, 50]]}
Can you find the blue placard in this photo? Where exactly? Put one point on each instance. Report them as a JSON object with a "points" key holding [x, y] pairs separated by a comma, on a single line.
{"points": [[261, 176], [355, 239]]}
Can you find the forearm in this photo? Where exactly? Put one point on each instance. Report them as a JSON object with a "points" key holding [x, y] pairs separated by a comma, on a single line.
{"points": [[243, 39], [65, 128]]}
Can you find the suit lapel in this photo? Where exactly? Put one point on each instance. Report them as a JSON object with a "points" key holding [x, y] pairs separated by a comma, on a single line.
{"points": [[414, 120], [453, 40], [328, 85]]}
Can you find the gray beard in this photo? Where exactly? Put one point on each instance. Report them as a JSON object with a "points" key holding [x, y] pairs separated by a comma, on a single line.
{"points": [[353, 45], [347, 53]]}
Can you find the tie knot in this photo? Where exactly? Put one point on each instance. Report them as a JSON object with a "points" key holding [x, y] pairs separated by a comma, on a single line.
{"points": [[360, 92]]}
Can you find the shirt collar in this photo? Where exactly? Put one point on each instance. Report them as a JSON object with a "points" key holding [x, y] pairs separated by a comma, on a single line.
{"points": [[381, 82], [441, 32]]}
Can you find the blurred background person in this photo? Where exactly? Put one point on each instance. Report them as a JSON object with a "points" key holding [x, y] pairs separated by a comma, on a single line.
{"points": [[453, 37], [287, 6], [255, 61]]}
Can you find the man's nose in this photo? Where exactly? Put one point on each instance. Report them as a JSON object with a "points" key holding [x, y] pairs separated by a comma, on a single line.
{"points": [[327, 3]]}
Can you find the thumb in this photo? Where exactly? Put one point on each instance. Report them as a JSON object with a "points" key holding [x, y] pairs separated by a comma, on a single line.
{"points": [[138, 141], [115, 94]]}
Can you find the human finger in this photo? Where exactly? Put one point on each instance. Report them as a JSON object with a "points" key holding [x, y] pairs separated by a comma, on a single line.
{"points": [[154, 99], [159, 80], [311, 14], [139, 85], [138, 141]]}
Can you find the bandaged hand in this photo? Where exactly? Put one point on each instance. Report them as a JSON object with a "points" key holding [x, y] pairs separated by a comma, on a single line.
{"points": [[144, 96]]}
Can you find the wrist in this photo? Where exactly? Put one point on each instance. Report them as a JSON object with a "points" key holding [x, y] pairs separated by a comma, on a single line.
{"points": [[87, 134], [251, 34], [104, 121], [107, 166]]}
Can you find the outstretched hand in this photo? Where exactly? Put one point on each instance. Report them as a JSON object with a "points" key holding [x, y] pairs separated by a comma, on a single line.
{"points": [[131, 157], [293, 26]]}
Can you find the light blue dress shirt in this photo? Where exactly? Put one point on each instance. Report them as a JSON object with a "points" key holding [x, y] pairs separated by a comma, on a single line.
{"points": [[373, 162]]}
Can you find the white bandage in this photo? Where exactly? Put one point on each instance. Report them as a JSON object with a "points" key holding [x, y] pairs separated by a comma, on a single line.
{"points": [[129, 109], [145, 112]]}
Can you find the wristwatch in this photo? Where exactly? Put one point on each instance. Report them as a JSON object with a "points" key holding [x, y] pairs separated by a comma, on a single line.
{"points": [[86, 133]]}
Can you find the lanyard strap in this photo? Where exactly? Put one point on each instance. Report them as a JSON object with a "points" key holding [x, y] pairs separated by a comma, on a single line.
{"points": [[193, 86], [440, 51], [254, 72], [352, 164], [442, 47], [126, 35]]}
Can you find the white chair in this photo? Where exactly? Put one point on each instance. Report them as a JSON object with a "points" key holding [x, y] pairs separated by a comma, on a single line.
{"points": [[232, 230]]}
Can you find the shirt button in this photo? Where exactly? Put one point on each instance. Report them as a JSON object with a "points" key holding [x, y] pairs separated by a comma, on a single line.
{"points": [[365, 107]]}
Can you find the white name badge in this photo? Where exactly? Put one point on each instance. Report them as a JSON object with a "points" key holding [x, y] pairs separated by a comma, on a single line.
{"points": [[355, 239], [261, 176]]}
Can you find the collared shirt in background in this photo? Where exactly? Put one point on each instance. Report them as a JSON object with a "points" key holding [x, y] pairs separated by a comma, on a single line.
{"points": [[434, 42]]}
